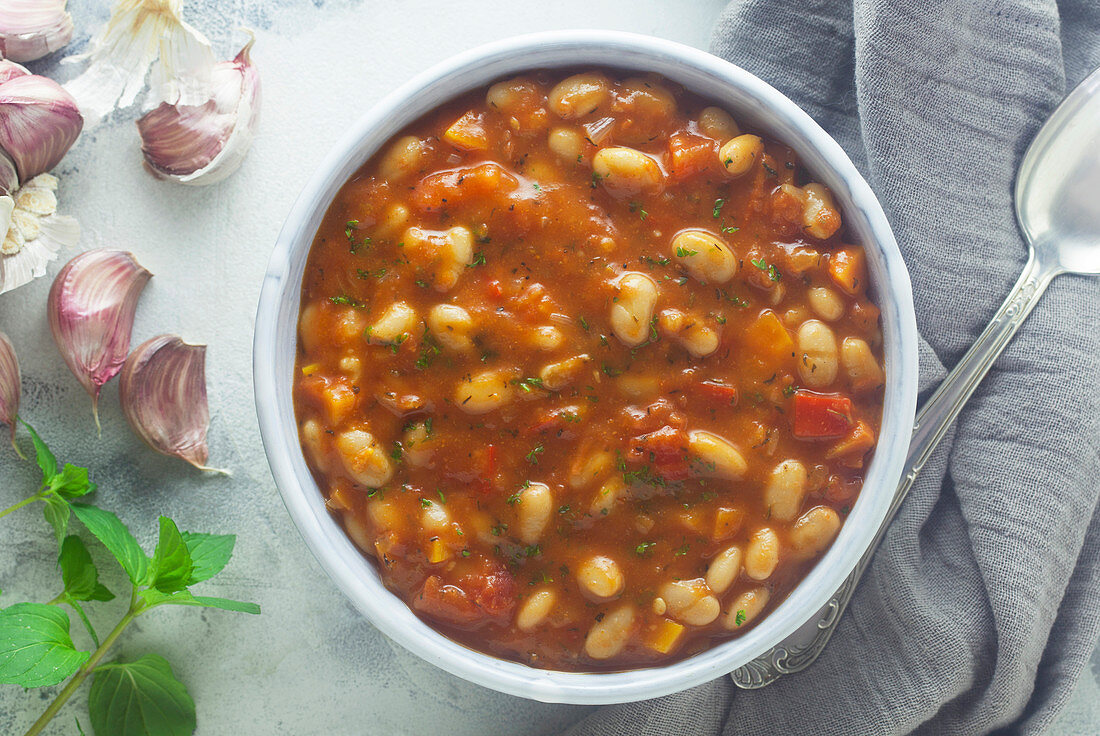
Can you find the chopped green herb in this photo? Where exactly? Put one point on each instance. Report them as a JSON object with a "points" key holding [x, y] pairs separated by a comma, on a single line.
{"points": [[584, 323], [513, 499], [683, 252], [442, 498], [350, 228], [718, 205], [773, 272], [637, 207], [533, 456], [348, 301], [741, 616], [479, 259], [533, 550], [644, 547], [730, 229], [527, 385]]}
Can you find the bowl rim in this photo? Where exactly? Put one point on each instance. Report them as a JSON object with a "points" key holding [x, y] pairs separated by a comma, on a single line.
{"points": [[278, 307]]}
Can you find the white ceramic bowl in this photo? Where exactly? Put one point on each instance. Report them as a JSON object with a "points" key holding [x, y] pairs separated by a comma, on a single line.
{"points": [[750, 100]]}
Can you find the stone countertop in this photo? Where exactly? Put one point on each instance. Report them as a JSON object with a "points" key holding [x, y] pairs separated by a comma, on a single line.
{"points": [[310, 664]]}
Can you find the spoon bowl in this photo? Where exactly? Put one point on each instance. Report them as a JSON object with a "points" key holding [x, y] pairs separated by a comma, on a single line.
{"points": [[1058, 185]]}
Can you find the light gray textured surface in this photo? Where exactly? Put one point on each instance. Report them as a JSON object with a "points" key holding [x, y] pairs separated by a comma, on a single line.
{"points": [[309, 664]]}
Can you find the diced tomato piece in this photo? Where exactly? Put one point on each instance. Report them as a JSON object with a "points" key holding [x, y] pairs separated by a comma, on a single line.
{"points": [[447, 602], [819, 416], [449, 188], [494, 290], [691, 154], [475, 598], [848, 269], [718, 391], [854, 446], [666, 450]]}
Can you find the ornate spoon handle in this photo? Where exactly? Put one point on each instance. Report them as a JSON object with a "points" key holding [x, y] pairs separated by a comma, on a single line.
{"points": [[933, 420]]}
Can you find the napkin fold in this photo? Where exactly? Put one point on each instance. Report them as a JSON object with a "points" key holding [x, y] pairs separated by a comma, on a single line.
{"points": [[982, 606]]}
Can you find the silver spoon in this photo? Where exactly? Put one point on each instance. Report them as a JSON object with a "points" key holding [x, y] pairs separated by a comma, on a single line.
{"points": [[1058, 209]]}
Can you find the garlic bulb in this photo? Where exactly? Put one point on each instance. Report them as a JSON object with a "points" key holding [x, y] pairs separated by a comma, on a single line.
{"points": [[91, 311], [162, 389], [203, 144], [30, 29], [34, 232], [10, 386], [143, 38], [39, 121]]}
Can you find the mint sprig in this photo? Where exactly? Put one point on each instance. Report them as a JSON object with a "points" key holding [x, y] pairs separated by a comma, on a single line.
{"points": [[142, 697]]}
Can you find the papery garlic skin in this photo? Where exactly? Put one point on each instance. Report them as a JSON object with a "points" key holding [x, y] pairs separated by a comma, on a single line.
{"points": [[10, 386], [162, 389], [203, 144], [39, 122], [143, 38], [34, 233], [30, 29], [91, 310]]}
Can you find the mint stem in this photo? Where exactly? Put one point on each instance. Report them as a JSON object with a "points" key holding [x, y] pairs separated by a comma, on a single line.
{"points": [[85, 670], [26, 501]]}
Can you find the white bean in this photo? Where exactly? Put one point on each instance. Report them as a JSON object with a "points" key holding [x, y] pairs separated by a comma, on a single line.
{"points": [[556, 376], [814, 530], [600, 578], [448, 251], [417, 444], [715, 457], [859, 363], [718, 124], [434, 517], [483, 392], [395, 325], [724, 568], [785, 489], [826, 303], [632, 313], [404, 157], [745, 607], [580, 95], [567, 144], [762, 554], [606, 496], [312, 435], [608, 636], [690, 601], [820, 218], [451, 326], [648, 97], [535, 507], [587, 469], [739, 154], [364, 459], [625, 171], [535, 609], [817, 345], [704, 256]]}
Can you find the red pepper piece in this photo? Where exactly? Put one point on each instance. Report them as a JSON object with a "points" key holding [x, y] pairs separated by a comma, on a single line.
{"points": [[817, 416]]}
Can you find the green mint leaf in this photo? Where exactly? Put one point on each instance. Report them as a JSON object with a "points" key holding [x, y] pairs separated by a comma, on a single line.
{"points": [[46, 461], [141, 698], [71, 482], [118, 540], [57, 512], [154, 597], [226, 604], [210, 554], [79, 572], [35, 647], [171, 567]]}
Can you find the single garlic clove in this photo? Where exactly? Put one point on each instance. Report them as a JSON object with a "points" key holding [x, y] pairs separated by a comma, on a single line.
{"points": [[203, 144], [162, 390], [30, 29], [39, 122], [142, 38], [10, 70], [10, 386], [91, 311]]}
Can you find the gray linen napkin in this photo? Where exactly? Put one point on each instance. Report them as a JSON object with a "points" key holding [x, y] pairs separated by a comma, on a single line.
{"points": [[983, 604]]}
